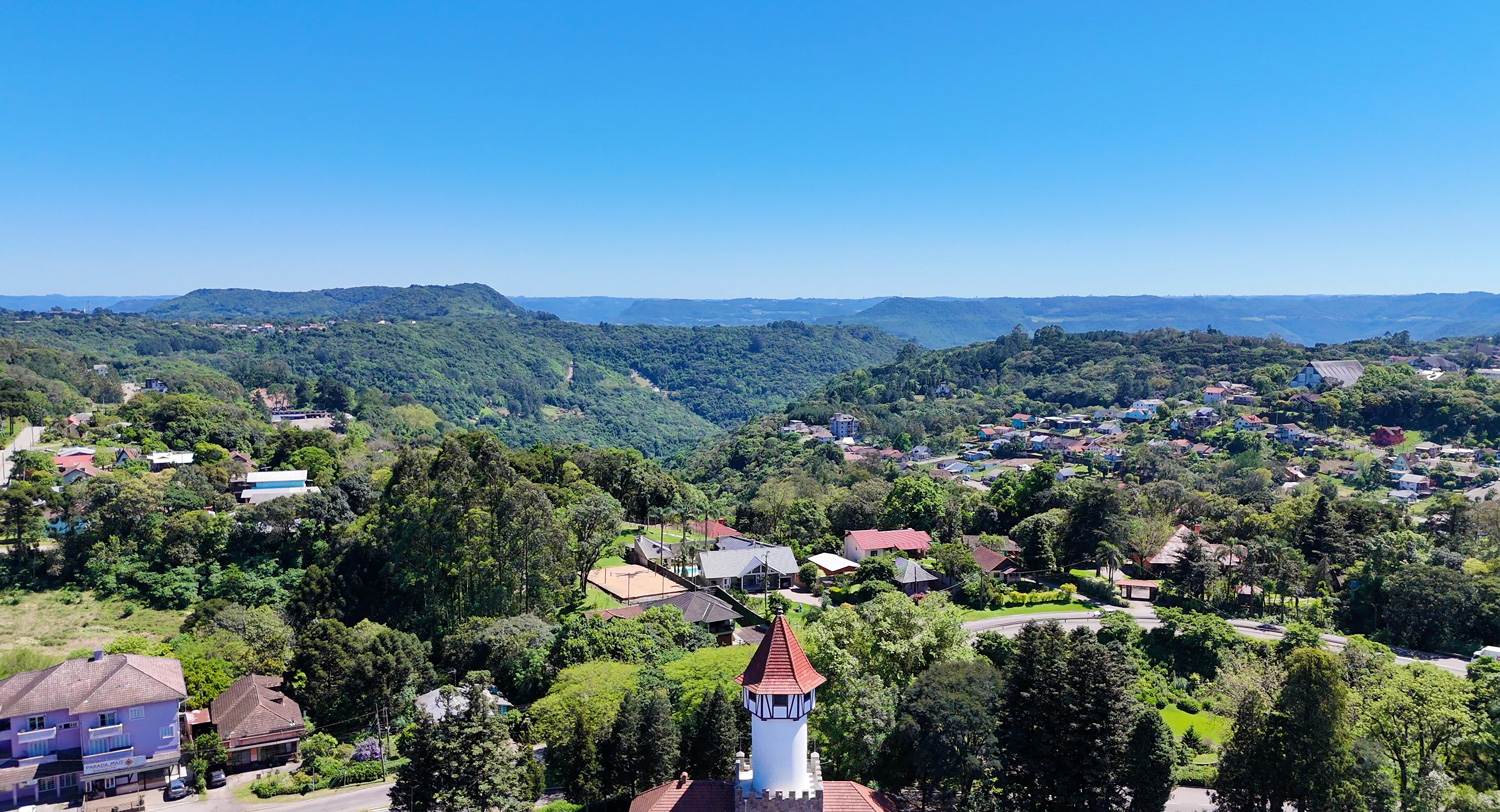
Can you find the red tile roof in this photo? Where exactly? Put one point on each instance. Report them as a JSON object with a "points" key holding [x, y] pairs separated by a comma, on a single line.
{"points": [[847, 796], [906, 540], [713, 529], [779, 666], [987, 559], [686, 796], [252, 707], [617, 612]]}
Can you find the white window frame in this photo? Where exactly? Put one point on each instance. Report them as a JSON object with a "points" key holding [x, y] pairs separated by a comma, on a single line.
{"points": [[109, 718], [69, 780], [36, 723], [138, 712], [168, 732]]}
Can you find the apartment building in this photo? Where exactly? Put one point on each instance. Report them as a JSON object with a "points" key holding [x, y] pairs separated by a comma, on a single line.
{"points": [[103, 724]]}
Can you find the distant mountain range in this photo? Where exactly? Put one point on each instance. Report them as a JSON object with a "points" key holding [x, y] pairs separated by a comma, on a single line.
{"points": [[1301, 319], [932, 322], [119, 304], [694, 312], [945, 322]]}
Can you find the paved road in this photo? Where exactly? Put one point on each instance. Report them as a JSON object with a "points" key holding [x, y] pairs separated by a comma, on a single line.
{"points": [[1189, 799], [363, 799], [1146, 617], [24, 439]]}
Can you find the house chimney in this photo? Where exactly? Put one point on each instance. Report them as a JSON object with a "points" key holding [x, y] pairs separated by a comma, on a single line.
{"points": [[98, 655], [682, 779]]}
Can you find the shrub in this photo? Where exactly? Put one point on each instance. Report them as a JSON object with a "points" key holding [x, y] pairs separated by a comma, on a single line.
{"points": [[1098, 589], [1189, 705], [1196, 775], [283, 784]]}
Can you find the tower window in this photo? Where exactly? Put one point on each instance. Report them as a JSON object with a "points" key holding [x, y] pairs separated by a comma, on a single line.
{"points": [[779, 700]]}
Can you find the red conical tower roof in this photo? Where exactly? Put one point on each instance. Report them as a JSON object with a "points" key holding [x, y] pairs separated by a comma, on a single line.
{"points": [[779, 666]]}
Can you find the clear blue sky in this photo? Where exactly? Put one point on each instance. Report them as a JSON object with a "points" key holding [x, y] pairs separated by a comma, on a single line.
{"points": [[772, 149]]}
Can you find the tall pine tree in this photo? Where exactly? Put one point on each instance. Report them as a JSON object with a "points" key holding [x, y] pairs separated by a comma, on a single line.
{"points": [[1148, 763], [582, 774], [466, 762], [715, 737], [623, 761], [659, 741]]}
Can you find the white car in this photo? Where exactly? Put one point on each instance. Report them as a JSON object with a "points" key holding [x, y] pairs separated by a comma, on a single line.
{"points": [[1488, 651]]}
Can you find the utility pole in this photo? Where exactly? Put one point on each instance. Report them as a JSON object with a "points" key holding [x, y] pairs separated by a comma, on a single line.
{"points": [[386, 743]]}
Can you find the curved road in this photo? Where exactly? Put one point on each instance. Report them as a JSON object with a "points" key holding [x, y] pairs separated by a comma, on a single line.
{"points": [[1009, 625], [25, 439]]}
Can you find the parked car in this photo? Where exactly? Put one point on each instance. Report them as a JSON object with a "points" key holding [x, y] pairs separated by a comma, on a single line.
{"points": [[216, 778], [177, 789], [1488, 651]]}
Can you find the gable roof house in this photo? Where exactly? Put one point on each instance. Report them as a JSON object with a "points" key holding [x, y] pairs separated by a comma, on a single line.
{"points": [[162, 460], [1248, 422], [831, 565], [1388, 436], [1183, 537], [997, 564], [751, 569], [648, 550], [913, 578], [861, 544], [262, 486], [1341, 373], [713, 529], [257, 722], [435, 705]]}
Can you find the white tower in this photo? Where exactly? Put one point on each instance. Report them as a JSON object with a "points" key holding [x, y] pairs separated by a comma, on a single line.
{"points": [[780, 686]]}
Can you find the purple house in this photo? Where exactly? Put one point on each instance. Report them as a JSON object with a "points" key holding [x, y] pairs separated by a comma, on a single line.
{"points": [[105, 724]]}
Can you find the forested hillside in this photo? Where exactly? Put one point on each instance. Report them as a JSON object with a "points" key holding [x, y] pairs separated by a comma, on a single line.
{"points": [[415, 302], [1054, 371], [528, 379]]}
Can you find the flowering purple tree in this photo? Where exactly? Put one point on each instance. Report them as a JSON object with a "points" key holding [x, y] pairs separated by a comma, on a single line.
{"points": [[367, 750]]}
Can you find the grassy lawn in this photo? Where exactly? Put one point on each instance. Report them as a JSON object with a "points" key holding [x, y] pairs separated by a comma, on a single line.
{"points": [[796, 614], [45, 624], [1412, 438], [1035, 608], [598, 599], [1210, 726], [609, 561]]}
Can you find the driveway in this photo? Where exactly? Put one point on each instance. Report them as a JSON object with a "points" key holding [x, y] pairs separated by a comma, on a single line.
{"points": [[24, 439]]}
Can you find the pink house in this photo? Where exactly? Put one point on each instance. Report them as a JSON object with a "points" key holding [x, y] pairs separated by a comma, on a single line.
{"points": [[861, 544]]}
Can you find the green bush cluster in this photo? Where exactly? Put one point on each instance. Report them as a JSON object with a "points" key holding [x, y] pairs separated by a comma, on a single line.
{"points": [[1098, 589], [329, 772]]}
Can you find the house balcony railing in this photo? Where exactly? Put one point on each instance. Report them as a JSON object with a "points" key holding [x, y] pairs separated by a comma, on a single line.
{"points": [[104, 747], [105, 731], [44, 734], [27, 761]]}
